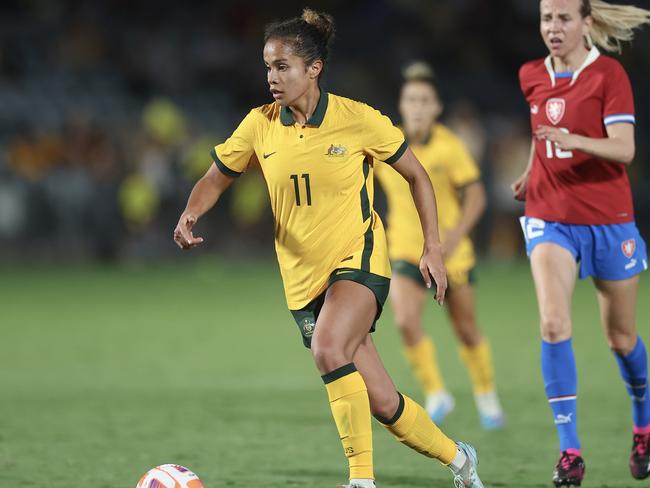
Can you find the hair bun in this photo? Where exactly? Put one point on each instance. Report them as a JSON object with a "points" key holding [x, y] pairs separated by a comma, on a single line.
{"points": [[322, 21]]}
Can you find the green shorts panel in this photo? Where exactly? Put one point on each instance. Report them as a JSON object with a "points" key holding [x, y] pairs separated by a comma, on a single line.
{"points": [[307, 316], [410, 270]]}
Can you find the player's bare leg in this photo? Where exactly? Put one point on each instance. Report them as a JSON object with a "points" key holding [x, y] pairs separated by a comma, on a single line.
{"points": [[554, 272], [408, 421], [617, 301], [475, 353], [408, 300]]}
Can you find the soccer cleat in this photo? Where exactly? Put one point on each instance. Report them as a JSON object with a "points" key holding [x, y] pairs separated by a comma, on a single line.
{"points": [[466, 476], [359, 483], [640, 456], [439, 405], [489, 410], [569, 470]]}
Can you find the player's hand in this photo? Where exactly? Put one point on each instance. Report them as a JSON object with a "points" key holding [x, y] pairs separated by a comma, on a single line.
{"points": [[563, 140], [432, 266], [519, 187], [183, 236], [450, 242]]}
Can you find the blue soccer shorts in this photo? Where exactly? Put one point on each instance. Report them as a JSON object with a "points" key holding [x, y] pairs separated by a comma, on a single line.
{"points": [[608, 252]]}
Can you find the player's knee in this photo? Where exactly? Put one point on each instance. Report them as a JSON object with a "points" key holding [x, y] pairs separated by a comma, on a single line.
{"points": [[555, 328], [328, 355], [621, 342], [409, 324], [384, 405]]}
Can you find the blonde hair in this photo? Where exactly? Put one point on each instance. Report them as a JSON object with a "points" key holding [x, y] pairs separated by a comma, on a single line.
{"points": [[612, 24], [418, 71]]}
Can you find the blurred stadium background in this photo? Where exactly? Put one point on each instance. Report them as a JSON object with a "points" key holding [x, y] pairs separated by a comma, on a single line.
{"points": [[118, 352], [109, 110]]}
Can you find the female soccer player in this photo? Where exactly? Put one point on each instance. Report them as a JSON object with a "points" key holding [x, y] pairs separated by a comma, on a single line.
{"points": [[316, 151], [452, 170], [579, 208]]}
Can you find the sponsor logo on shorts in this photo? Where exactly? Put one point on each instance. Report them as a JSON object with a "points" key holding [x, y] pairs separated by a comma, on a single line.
{"points": [[308, 326], [555, 109], [631, 264], [628, 247]]}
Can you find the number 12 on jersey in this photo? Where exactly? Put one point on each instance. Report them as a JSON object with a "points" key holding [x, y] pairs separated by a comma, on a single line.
{"points": [[296, 187], [559, 153]]}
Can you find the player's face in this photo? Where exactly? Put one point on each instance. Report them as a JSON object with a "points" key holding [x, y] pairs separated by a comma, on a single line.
{"points": [[419, 105], [562, 26], [288, 77]]}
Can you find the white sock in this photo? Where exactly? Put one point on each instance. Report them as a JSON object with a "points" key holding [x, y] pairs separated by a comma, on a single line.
{"points": [[362, 482], [488, 403], [458, 462]]}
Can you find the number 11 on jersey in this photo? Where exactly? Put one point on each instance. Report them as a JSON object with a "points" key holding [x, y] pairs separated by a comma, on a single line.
{"points": [[296, 187]]}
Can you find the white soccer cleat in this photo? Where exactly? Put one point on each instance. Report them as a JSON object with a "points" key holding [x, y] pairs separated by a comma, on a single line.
{"points": [[360, 483], [489, 410], [466, 476], [438, 405]]}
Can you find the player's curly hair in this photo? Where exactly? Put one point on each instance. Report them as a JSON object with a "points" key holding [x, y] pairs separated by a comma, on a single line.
{"points": [[311, 35], [420, 71], [612, 24]]}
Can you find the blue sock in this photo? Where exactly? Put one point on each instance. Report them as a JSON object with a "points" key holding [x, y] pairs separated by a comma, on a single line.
{"points": [[561, 383], [634, 370]]}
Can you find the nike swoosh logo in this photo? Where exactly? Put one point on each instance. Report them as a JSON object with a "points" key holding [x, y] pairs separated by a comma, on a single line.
{"points": [[269, 154]]}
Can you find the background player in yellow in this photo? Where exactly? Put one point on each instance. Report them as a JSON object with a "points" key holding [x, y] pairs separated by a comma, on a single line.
{"points": [[316, 151], [452, 172]]}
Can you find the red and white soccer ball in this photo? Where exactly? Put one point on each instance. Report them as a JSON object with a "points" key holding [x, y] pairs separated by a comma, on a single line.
{"points": [[169, 476]]}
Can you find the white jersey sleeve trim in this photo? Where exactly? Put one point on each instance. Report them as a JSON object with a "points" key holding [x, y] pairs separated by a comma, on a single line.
{"points": [[617, 118]]}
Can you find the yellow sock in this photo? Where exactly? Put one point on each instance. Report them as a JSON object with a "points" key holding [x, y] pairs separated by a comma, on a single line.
{"points": [[422, 358], [413, 428], [350, 406], [478, 361]]}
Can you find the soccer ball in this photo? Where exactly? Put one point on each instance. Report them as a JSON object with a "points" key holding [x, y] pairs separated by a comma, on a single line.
{"points": [[169, 476]]}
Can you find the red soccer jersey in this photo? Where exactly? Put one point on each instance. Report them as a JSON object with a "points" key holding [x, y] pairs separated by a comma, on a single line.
{"points": [[573, 187]]}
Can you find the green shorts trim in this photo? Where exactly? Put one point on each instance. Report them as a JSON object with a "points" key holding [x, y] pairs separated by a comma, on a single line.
{"points": [[307, 316], [410, 270]]}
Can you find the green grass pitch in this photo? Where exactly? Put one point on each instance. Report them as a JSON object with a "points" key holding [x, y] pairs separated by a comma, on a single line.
{"points": [[106, 372]]}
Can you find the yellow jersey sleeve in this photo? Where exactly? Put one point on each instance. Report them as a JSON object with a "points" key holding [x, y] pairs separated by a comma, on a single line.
{"points": [[381, 139], [233, 156], [463, 170]]}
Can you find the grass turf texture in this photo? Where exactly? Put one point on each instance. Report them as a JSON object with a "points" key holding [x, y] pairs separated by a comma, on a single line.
{"points": [[107, 372]]}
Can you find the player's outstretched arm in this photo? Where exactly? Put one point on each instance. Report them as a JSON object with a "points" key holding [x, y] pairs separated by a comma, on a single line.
{"points": [[431, 264], [204, 195]]}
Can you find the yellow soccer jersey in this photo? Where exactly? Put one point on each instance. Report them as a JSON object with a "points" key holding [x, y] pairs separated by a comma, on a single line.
{"points": [[320, 181], [450, 167]]}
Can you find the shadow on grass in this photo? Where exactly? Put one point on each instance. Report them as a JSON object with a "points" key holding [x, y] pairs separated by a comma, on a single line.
{"points": [[397, 481]]}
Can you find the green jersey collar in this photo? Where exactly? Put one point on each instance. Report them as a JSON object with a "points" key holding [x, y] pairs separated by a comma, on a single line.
{"points": [[316, 119]]}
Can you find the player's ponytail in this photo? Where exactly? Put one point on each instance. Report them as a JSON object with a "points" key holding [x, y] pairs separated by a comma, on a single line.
{"points": [[311, 35], [612, 24]]}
